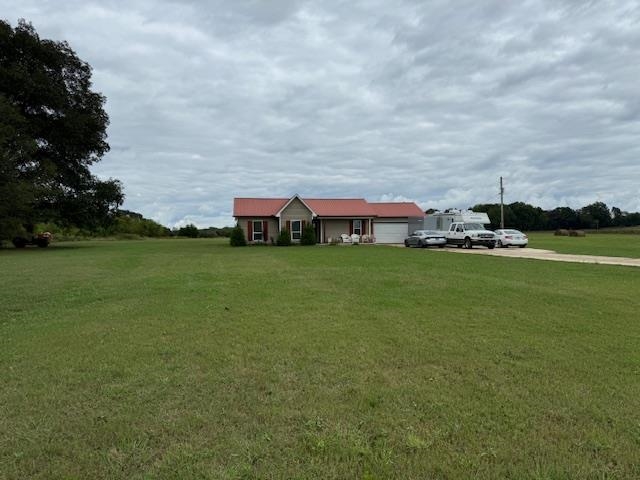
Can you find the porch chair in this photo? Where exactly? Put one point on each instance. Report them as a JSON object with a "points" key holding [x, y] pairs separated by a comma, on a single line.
{"points": [[345, 238]]}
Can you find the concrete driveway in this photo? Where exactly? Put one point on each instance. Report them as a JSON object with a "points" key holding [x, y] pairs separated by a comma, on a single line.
{"points": [[539, 254]]}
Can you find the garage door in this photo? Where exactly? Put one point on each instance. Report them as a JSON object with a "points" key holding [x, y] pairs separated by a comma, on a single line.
{"points": [[390, 232]]}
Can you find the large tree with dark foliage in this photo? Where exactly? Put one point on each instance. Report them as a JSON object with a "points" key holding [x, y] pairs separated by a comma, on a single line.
{"points": [[52, 129]]}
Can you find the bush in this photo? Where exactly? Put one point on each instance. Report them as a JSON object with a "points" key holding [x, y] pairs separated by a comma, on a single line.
{"points": [[308, 235], [284, 238], [236, 238], [577, 233], [561, 232]]}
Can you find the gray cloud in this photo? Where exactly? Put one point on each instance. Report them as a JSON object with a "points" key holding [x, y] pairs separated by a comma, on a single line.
{"points": [[425, 101]]}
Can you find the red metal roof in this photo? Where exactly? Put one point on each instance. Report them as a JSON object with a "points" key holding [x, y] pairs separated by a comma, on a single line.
{"points": [[257, 207], [326, 207], [340, 207], [397, 209]]}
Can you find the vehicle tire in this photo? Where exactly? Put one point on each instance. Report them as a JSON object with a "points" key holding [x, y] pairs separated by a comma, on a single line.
{"points": [[406, 244], [440, 246], [42, 242], [19, 242], [499, 244], [491, 246], [467, 243], [522, 246], [459, 245]]}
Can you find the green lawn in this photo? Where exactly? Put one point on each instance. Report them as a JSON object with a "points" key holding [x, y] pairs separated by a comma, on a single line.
{"points": [[190, 359], [607, 244]]}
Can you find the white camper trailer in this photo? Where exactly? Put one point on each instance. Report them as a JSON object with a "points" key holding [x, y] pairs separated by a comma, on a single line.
{"points": [[442, 220]]}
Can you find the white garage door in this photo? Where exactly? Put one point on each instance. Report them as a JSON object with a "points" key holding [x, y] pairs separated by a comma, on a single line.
{"points": [[390, 232]]}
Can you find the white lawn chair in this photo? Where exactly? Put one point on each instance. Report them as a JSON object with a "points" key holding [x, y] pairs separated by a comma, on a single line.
{"points": [[345, 238], [355, 238]]}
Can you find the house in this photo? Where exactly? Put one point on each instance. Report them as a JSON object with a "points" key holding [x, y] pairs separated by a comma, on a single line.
{"points": [[262, 219]]}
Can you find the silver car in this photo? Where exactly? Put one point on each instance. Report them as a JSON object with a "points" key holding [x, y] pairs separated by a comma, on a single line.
{"points": [[508, 237], [425, 238]]}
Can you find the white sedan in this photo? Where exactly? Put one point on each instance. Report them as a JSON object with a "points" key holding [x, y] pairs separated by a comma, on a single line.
{"points": [[507, 237]]}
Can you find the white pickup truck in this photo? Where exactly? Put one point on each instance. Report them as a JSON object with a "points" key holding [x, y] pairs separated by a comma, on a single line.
{"points": [[467, 235]]}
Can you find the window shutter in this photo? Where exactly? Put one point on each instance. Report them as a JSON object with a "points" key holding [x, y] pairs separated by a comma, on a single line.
{"points": [[289, 226], [364, 227], [250, 230], [265, 230], [350, 227]]}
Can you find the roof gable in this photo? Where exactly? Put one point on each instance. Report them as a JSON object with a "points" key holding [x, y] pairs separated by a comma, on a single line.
{"points": [[291, 200]]}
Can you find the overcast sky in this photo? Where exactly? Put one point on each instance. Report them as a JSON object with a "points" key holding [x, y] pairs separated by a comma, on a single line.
{"points": [[430, 101]]}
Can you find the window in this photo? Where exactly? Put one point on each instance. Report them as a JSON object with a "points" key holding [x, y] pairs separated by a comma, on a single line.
{"points": [[257, 230], [296, 229], [357, 227]]}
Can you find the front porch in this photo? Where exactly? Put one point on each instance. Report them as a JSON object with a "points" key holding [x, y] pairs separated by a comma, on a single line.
{"points": [[329, 228]]}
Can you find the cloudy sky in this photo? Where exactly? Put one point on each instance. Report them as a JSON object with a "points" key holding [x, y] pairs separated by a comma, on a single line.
{"points": [[430, 101]]}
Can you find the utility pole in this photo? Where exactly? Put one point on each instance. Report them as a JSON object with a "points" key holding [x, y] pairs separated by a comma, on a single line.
{"points": [[501, 205]]}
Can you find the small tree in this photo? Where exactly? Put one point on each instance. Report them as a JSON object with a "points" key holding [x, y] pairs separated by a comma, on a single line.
{"points": [[190, 231], [284, 238], [308, 235], [237, 237]]}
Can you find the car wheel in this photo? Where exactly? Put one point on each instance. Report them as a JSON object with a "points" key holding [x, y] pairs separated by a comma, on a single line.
{"points": [[499, 244], [440, 246], [491, 246], [522, 246], [467, 243], [406, 243], [459, 245]]}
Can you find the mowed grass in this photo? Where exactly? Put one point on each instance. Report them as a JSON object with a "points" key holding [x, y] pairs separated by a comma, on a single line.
{"points": [[606, 244], [191, 359]]}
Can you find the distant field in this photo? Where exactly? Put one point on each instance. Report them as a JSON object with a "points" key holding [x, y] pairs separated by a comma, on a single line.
{"points": [[609, 244], [190, 359]]}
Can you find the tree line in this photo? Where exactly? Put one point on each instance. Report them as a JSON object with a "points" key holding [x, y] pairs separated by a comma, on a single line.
{"points": [[529, 218], [128, 225]]}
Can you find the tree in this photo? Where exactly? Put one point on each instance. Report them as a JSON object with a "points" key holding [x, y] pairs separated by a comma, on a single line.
{"points": [[52, 129], [562, 217], [527, 217], [189, 230], [596, 215]]}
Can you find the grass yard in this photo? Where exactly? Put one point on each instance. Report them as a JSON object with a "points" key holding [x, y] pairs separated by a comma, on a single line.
{"points": [[607, 244], [191, 359]]}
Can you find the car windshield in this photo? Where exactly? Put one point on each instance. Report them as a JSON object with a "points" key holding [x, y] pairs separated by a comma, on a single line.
{"points": [[473, 226], [431, 232], [512, 232]]}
